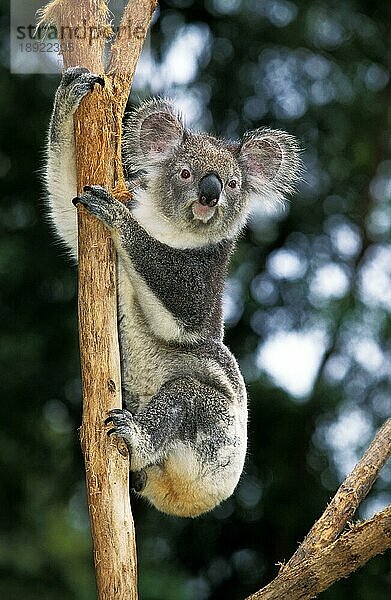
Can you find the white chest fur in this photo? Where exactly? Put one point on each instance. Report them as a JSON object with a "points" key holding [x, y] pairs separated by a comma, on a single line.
{"points": [[143, 362], [159, 227]]}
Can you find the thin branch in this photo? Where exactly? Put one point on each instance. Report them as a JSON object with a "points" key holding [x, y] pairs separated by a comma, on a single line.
{"points": [[131, 35], [341, 558], [323, 557], [348, 497]]}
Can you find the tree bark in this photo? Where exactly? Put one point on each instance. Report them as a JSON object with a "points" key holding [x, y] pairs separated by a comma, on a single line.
{"points": [[97, 124]]}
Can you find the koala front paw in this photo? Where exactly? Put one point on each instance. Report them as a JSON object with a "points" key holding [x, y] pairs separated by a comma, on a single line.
{"points": [[76, 83], [100, 203]]}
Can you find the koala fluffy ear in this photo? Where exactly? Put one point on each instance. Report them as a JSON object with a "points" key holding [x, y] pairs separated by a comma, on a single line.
{"points": [[151, 132], [271, 163]]}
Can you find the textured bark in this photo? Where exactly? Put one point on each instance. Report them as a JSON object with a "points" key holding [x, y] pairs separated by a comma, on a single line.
{"points": [[323, 557], [348, 497], [107, 470], [341, 558], [98, 156]]}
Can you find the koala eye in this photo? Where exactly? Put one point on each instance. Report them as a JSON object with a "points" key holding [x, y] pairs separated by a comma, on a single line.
{"points": [[185, 174], [233, 183]]}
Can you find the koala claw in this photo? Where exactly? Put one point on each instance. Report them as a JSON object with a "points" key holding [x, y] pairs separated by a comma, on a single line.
{"points": [[76, 83], [114, 411], [123, 426], [72, 73], [121, 419], [138, 480], [100, 203], [95, 199], [100, 81]]}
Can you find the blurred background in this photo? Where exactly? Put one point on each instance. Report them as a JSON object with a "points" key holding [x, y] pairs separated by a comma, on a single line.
{"points": [[308, 303]]}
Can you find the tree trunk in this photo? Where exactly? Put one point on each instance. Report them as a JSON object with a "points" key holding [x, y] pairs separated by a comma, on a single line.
{"points": [[98, 156]]}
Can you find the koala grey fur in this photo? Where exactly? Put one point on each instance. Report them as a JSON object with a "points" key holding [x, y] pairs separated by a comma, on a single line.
{"points": [[186, 410]]}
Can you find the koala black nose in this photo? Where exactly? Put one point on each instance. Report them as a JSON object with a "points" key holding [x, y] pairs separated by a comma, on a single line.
{"points": [[210, 189]]}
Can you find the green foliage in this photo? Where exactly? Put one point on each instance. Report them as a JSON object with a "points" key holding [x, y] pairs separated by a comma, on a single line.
{"points": [[320, 269]]}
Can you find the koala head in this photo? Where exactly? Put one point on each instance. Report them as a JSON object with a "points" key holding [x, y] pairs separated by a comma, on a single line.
{"points": [[197, 189]]}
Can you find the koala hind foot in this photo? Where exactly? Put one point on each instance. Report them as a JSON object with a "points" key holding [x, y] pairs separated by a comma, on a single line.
{"points": [[138, 480]]}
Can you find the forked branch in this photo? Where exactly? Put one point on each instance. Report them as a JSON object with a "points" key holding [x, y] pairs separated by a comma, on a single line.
{"points": [[323, 557]]}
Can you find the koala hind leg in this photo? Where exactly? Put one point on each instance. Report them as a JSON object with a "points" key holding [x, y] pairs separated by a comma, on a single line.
{"points": [[186, 440], [150, 432]]}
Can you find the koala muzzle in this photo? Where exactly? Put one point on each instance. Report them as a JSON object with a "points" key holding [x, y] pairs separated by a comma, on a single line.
{"points": [[210, 189]]}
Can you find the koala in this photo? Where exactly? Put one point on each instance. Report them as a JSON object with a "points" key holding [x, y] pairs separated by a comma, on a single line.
{"points": [[184, 417]]}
